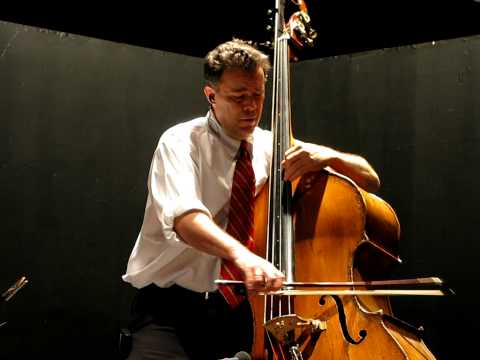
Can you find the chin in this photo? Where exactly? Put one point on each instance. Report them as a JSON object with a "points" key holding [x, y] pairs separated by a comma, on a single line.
{"points": [[248, 133]]}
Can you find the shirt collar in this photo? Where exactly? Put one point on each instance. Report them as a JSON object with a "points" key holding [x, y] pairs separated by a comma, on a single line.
{"points": [[232, 145]]}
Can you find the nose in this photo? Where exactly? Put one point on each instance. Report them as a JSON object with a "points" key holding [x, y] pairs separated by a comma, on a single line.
{"points": [[249, 104]]}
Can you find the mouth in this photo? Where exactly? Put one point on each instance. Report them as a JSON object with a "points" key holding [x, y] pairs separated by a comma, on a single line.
{"points": [[248, 125], [249, 121]]}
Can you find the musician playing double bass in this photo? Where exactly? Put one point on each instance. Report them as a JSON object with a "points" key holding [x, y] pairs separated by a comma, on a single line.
{"points": [[178, 311]]}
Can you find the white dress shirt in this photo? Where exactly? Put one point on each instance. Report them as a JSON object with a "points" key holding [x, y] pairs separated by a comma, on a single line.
{"points": [[192, 169]]}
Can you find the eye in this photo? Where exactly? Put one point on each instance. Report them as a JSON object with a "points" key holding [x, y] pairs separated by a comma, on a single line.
{"points": [[238, 99]]}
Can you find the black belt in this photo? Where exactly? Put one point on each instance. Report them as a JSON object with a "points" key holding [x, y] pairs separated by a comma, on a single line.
{"points": [[165, 305], [151, 298], [178, 292]]}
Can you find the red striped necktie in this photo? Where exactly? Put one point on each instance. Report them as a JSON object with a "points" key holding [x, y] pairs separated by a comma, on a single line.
{"points": [[240, 219]]}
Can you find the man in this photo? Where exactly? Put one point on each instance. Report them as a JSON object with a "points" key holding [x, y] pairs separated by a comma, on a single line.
{"points": [[183, 240]]}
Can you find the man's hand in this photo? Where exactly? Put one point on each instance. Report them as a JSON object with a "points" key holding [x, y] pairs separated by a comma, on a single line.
{"points": [[259, 274], [305, 157], [301, 159], [198, 230]]}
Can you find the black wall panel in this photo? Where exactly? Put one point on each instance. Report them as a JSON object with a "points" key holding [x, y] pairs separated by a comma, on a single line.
{"points": [[414, 113], [79, 120], [80, 117]]}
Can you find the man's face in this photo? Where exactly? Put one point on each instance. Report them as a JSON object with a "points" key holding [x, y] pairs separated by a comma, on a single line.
{"points": [[237, 101]]}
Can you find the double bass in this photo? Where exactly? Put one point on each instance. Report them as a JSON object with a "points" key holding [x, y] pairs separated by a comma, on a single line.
{"points": [[334, 242]]}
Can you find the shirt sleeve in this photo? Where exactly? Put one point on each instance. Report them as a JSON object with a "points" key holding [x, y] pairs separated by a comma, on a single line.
{"points": [[174, 185]]}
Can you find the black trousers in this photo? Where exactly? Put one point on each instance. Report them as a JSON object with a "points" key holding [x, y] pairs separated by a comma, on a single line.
{"points": [[176, 323]]}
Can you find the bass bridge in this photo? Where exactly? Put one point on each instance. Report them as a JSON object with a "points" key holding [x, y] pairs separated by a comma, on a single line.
{"points": [[293, 335]]}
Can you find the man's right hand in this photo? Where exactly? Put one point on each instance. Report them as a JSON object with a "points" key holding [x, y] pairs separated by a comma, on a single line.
{"points": [[198, 230], [259, 274]]}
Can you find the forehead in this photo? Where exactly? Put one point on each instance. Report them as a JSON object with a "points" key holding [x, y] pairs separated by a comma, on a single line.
{"points": [[234, 80]]}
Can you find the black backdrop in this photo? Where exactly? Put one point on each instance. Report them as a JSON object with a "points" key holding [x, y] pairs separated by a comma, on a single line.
{"points": [[80, 117]]}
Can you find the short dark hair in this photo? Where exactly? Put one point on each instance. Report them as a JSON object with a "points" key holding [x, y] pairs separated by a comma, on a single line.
{"points": [[234, 54]]}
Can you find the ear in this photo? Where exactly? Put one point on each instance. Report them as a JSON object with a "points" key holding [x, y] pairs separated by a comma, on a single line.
{"points": [[209, 94]]}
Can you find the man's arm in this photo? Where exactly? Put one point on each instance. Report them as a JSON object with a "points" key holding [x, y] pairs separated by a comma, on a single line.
{"points": [[200, 232], [305, 157]]}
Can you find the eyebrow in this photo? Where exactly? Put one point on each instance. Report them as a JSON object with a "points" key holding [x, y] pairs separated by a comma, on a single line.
{"points": [[244, 88]]}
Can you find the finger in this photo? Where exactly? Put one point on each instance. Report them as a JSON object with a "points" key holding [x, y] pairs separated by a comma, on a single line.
{"points": [[277, 284], [258, 279], [289, 167], [259, 285], [249, 283], [292, 150], [250, 278], [274, 280], [274, 284], [296, 170], [295, 157]]}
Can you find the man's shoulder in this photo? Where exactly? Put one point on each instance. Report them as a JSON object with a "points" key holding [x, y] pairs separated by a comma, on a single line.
{"points": [[184, 130]]}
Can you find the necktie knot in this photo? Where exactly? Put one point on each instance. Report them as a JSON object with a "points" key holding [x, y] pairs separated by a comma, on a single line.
{"points": [[243, 150]]}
